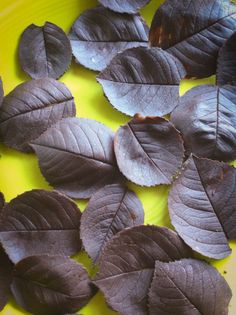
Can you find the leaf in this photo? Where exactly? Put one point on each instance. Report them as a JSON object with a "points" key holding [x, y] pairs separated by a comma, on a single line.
{"points": [[2, 201], [6, 268], [127, 265], [226, 64], [1, 92], [76, 156], [44, 51], [99, 34], [51, 285], [193, 31], [128, 6], [40, 222], [207, 121], [143, 80], [31, 108], [202, 206], [149, 151], [110, 210], [188, 286]]}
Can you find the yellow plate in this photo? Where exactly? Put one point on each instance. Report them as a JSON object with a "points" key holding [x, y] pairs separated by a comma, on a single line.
{"points": [[19, 172]]}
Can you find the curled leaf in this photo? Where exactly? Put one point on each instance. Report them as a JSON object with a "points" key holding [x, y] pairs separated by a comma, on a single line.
{"points": [[76, 156], [99, 34], [188, 286], [44, 51], [40, 222], [51, 285], [128, 6], [143, 80], [207, 121], [31, 108], [6, 268], [110, 210], [193, 31], [202, 206], [127, 265], [149, 151]]}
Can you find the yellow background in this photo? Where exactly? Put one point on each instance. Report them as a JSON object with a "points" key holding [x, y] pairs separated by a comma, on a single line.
{"points": [[19, 172]]}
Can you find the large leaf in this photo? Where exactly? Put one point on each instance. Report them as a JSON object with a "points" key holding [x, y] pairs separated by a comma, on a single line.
{"points": [[112, 209], [226, 63], [202, 206], [128, 6], [40, 222], [193, 31], [99, 34], [190, 287], [143, 80], [6, 268], [31, 108], [76, 156], [207, 120], [128, 262], [149, 151], [44, 51], [51, 285]]}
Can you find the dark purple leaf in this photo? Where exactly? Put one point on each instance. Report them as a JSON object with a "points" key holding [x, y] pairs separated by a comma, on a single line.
{"points": [[207, 120], [127, 265], [6, 268], [110, 210], [1, 92], [193, 31], [190, 287], [226, 63], [31, 108], [99, 34], [149, 151], [76, 156], [143, 80], [51, 285], [2, 201], [128, 6], [202, 206], [40, 222]]}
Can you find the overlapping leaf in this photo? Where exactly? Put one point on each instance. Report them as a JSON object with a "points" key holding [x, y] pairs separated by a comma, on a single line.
{"points": [[110, 210], [226, 63], [31, 108], [128, 6], [202, 206], [190, 287], [149, 151], [51, 285], [6, 268], [193, 31], [127, 265], [99, 34], [44, 51], [76, 156], [40, 222], [207, 120], [143, 80]]}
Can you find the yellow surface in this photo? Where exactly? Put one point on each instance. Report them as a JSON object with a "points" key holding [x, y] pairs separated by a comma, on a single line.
{"points": [[19, 172]]}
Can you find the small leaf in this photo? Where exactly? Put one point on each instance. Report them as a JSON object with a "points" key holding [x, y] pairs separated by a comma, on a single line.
{"points": [[31, 108], [128, 6], [149, 151], [76, 156], [1, 92], [44, 51], [40, 222], [127, 265], [51, 285], [193, 31], [110, 210], [188, 286], [207, 120], [99, 34], [226, 63], [202, 206], [143, 80], [6, 268]]}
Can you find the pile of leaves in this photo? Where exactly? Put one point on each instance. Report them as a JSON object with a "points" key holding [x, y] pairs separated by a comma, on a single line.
{"points": [[142, 269]]}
